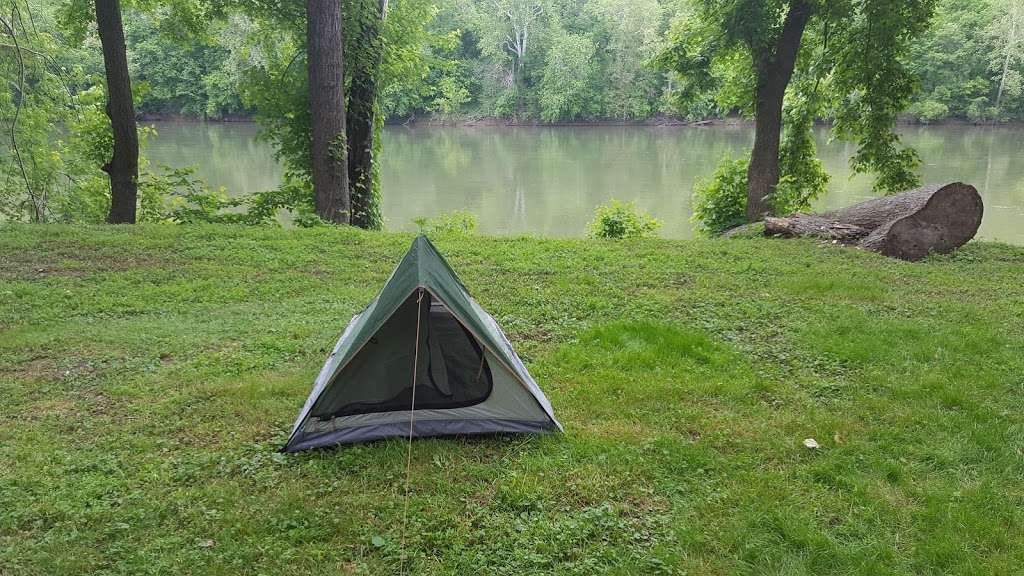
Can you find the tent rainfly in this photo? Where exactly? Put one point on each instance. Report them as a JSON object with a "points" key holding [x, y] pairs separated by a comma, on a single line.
{"points": [[422, 359]]}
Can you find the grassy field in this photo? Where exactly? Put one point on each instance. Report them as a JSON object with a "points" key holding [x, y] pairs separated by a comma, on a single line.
{"points": [[149, 373]]}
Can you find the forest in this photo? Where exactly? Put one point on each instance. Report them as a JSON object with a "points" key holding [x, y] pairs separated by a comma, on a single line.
{"points": [[577, 61]]}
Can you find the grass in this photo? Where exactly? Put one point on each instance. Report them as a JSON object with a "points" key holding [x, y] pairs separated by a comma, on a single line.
{"points": [[149, 373]]}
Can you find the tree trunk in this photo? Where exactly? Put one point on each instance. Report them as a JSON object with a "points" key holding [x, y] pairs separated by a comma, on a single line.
{"points": [[763, 170], [908, 226], [123, 167], [362, 120], [1006, 61], [325, 52], [774, 70]]}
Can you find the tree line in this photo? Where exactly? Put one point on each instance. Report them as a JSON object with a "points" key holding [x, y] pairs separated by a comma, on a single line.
{"points": [[566, 61]]}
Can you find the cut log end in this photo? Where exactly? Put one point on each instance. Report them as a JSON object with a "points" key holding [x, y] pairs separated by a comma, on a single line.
{"points": [[949, 219]]}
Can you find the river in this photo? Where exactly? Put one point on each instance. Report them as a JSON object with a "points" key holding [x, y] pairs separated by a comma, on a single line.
{"points": [[547, 181]]}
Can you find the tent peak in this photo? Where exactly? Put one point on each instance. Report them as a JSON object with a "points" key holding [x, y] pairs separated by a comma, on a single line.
{"points": [[428, 263]]}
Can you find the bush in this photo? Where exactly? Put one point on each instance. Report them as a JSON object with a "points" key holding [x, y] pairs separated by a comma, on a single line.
{"points": [[930, 111], [720, 202], [454, 223], [622, 220]]}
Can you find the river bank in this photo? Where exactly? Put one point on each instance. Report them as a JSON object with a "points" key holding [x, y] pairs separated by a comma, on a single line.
{"points": [[657, 121]]}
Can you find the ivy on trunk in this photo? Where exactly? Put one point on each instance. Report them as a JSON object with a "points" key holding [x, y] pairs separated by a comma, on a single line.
{"points": [[364, 122]]}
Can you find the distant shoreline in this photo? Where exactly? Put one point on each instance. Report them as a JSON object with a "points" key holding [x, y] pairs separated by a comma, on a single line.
{"points": [[656, 122]]}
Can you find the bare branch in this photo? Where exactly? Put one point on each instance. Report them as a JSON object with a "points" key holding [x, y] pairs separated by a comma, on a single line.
{"points": [[9, 29]]}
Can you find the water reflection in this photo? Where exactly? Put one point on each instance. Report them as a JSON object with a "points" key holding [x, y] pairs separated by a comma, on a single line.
{"points": [[548, 180]]}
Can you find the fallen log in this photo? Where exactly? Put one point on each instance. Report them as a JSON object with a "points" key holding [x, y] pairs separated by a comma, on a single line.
{"points": [[909, 226]]}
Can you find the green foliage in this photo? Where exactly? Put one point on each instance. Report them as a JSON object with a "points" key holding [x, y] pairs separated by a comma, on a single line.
{"points": [[555, 60], [710, 76], [276, 84], [865, 89], [451, 96], [929, 111], [620, 220], [59, 137], [720, 202], [184, 199], [874, 86], [952, 61], [627, 38], [454, 223], [190, 76], [802, 177], [448, 57], [567, 87]]}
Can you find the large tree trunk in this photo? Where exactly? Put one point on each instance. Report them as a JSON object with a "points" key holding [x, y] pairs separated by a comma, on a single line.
{"points": [[763, 170], [325, 52], [908, 226], [774, 70], [362, 120], [123, 167]]}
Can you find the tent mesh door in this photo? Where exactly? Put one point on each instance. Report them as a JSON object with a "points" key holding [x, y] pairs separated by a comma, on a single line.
{"points": [[452, 372]]}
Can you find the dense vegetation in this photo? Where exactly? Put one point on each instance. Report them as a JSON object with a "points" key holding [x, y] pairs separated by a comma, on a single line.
{"points": [[585, 61], [582, 61], [148, 374]]}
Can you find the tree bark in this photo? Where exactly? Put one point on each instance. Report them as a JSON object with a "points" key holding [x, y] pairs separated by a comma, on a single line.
{"points": [[774, 69], [123, 167], [325, 52], [908, 226], [1006, 61], [362, 120]]}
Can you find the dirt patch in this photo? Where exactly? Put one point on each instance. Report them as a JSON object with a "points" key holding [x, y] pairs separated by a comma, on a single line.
{"points": [[60, 259], [49, 408], [46, 369], [80, 405]]}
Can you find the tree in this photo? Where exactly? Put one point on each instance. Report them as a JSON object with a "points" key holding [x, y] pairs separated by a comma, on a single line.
{"points": [[773, 68], [630, 32], [843, 53], [364, 68], [123, 166], [952, 61], [1006, 30], [185, 72], [507, 31], [567, 88], [324, 46]]}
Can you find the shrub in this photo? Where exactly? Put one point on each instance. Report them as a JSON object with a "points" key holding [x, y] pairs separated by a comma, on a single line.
{"points": [[456, 223], [720, 202], [929, 111], [621, 220]]}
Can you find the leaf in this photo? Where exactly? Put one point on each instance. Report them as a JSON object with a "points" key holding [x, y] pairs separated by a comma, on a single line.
{"points": [[377, 541]]}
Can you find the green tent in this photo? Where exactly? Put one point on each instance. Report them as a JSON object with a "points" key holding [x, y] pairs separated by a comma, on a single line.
{"points": [[423, 359]]}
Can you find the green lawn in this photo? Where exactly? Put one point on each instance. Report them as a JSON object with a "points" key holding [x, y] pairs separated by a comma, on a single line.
{"points": [[149, 373]]}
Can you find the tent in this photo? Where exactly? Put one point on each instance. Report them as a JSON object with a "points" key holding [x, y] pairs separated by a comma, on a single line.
{"points": [[422, 359]]}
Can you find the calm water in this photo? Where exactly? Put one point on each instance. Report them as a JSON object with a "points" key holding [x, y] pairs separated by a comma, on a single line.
{"points": [[548, 180]]}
